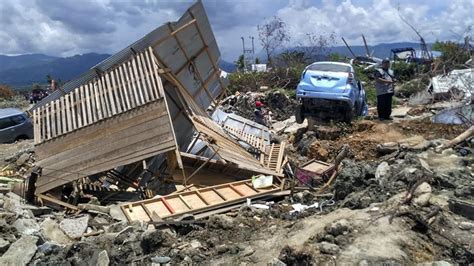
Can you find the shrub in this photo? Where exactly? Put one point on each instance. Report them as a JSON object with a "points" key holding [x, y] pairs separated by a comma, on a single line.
{"points": [[6, 92]]}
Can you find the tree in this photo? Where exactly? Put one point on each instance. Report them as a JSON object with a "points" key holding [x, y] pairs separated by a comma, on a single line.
{"points": [[273, 34], [240, 63], [453, 55], [49, 78], [292, 58], [316, 45]]}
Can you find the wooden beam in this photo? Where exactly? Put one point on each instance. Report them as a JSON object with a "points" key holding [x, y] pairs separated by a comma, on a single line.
{"points": [[56, 201]]}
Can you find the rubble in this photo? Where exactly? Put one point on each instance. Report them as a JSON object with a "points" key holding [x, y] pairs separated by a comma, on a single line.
{"points": [[223, 189]]}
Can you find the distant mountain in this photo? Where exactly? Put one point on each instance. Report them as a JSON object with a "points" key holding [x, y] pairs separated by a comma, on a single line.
{"points": [[227, 66], [379, 50], [19, 61], [39, 66]]}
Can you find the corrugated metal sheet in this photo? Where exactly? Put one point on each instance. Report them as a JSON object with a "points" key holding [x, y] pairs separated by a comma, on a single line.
{"points": [[195, 43]]}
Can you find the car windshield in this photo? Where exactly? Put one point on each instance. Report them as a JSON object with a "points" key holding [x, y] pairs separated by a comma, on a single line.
{"points": [[330, 67]]}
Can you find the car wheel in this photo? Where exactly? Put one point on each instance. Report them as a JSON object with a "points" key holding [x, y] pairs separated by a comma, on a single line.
{"points": [[299, 114], [348, 116]]}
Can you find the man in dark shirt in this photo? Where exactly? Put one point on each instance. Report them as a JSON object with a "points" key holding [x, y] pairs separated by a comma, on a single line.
{"points": [[259, 113], [384, 81]]}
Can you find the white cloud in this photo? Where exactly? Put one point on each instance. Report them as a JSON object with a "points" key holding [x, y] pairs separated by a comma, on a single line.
{"points": [[58, 27]]}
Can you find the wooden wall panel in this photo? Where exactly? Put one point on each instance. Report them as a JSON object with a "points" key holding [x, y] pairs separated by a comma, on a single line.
{"points": [[123, 139]]}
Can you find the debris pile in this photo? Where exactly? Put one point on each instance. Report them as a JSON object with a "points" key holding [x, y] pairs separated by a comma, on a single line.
{"points": [[139, 161]]}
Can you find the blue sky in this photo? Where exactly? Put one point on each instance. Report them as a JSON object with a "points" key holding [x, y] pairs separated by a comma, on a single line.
{"points": [[68, 27]]}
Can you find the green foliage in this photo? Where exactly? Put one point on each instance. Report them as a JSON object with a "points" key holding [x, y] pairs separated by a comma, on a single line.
{"points": [[404, 71], [336, 57], [454, 55], [292, 58], [411, 87], [371, 95], [278, 78], [240, 63], [6, 91]]}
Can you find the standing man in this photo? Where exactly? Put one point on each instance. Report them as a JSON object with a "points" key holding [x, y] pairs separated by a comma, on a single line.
{"points": [[384, 86], [259, 113]]}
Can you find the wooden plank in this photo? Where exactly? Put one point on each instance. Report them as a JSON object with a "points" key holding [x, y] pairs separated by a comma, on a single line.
{"points": [[148, 75], [83, 106], [192, 201], [78, 103], [73, 111], [137, 81], [97, 101], [131, 80], [143, 88], [56, 201], [88, 105], [104, 100], [48, 123], [119, 91], [126, 87], [36, 127], [111, 92], [53, 119], [152, 70]]}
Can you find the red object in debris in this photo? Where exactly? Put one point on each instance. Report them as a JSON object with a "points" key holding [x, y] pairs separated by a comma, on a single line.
{"points": [[258, 104]]}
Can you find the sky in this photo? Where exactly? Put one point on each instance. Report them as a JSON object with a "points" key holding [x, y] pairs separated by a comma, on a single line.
{"points": [[69, 27]]}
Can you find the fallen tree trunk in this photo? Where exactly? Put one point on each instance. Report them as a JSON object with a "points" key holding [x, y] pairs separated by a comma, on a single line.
{"points": [[465, 135]]}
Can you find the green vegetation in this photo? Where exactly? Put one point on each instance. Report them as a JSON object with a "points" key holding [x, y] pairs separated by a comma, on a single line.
{"points": [[6, 92], [454, 55]]}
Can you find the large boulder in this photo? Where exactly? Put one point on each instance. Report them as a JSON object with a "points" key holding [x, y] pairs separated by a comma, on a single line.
{"points": [[20, 252]]}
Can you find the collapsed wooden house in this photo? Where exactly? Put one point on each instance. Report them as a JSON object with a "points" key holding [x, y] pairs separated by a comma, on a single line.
{"points": [[130, 118]]}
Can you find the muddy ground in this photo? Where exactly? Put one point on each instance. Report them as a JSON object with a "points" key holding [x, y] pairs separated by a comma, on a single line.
{"points": [[394, 202]]}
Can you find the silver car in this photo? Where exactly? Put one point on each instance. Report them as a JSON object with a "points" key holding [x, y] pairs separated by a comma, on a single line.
{"points": [[14, 125]]}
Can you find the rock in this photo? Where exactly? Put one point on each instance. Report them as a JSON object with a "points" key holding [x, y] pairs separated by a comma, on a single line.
{"points": [[26, 226], [466, 225], [20, 252], [48, 248], [382, 173], [222, 249], [103, 259], [328, 248], [293, 127], [93, 207], [221, 221], [422, 188], [422, 195], [152, 240], [24, 158], [435, 263], [439, 200], [318, 151], [276, 262], [160, 259], [4, 245], [75, 227], [338, 227], [341, 240], [51, 230], [116, 213], [247, 251], [195, 244], [187, 261], [12, 205]]}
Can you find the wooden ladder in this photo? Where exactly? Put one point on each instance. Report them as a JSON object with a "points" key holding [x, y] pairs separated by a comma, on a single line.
{"points": [[195, 201]]}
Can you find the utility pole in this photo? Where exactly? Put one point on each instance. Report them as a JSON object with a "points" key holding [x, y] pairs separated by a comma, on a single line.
{"points": [[248, 54]]}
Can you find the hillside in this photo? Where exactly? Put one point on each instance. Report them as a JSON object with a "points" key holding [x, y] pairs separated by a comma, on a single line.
{"points": [[25, 71]]}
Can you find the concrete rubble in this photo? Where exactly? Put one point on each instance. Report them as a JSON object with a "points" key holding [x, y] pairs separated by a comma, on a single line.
{"points": [[363, 193]]}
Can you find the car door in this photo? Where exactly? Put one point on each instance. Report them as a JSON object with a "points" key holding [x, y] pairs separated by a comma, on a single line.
{"points": [[7, 130]]}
